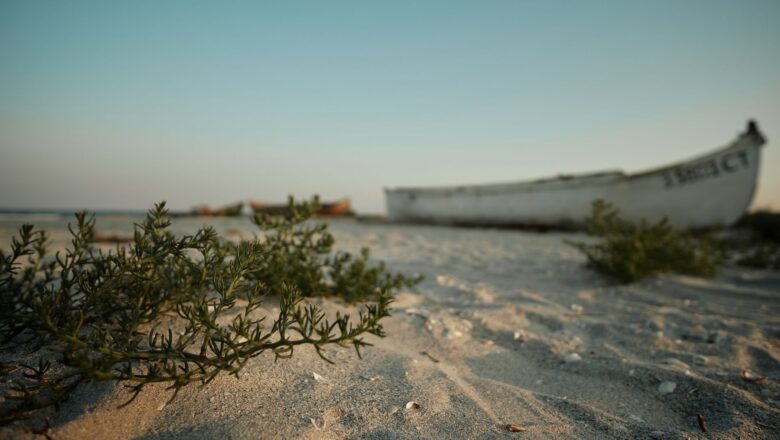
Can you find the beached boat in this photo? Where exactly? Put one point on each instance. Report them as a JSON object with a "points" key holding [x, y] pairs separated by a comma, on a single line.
{"points": [[712, 189], [233, 210], [339, 208]]}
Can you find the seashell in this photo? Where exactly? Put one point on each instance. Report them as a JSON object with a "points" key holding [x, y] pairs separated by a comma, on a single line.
{"points": [[747, 376], [515, 428]]}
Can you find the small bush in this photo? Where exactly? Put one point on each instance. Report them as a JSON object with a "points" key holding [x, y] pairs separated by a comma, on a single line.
{"points": [[760, 256], [760, 247], [176, 310], [629, 252], [764, 225]]}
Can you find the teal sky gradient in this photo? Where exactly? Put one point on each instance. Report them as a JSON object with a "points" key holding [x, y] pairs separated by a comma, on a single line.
{"points": [[116, 105]]}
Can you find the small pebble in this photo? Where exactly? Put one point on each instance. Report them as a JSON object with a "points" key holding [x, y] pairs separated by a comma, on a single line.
{"points": [[666, 387], [700, 360], [412, 405], [657, 434], [717, 337], [576, 308], [572, 357]]}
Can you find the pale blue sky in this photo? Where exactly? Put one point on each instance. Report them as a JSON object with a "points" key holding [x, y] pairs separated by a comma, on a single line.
{"points": [[115, 105]]}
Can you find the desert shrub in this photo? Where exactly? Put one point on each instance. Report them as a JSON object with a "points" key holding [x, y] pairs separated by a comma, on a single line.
{"points": [[172, 309], [760, 255], [629, 252], [765, 225], [303, 259], [760, 247]]}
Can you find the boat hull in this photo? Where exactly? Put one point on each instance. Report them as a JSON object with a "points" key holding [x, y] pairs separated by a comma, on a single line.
{"points": [[714, 189], [339, 208]]}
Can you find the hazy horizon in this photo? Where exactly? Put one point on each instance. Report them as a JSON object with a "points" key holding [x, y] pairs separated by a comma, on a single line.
{"points": [[114, 106]]}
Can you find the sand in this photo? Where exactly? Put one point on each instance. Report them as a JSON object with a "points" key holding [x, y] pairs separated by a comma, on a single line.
{"points": [[508, 327]]}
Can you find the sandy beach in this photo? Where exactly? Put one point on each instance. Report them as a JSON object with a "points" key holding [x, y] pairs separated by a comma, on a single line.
{"points": [[507, 327]]}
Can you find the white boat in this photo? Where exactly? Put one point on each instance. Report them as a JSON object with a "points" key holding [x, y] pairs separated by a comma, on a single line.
{"points": [[712, 189]]}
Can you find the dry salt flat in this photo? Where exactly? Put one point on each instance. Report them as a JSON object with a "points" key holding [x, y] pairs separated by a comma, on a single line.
{"points": [[508, 327]]}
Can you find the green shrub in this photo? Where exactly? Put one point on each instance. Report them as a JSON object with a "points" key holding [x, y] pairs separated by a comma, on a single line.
{"points": [[765, 225], [760, 256], [176, 310], [629, 252]]}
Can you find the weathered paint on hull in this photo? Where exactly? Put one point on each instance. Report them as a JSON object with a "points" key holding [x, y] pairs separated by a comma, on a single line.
{"points": [[709, 190]]}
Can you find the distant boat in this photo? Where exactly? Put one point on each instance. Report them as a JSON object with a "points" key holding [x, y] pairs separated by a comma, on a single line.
{"points": [[339, 208], [233, 210], [712, 189]]}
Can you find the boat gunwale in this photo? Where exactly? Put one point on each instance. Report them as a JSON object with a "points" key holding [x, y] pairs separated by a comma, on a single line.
{"points": [[581, 179]]}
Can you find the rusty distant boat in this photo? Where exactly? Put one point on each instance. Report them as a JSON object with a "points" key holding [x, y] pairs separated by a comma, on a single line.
{"points": [[233, 210], [712, 189], [339, 208]]}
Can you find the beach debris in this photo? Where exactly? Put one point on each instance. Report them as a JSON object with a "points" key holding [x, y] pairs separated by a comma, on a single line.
{"points": [[454, 334], [316, 425], [678, 365], [667, 387], [572, 357], [702, 424], [412, 405], [576, 308], [747, 376], [488, 342], [430, 357], [417, 312], [519, 336], [372, 378], [515, 428], [394, 409], [700, 360], [319, 378], [111, 238]]}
